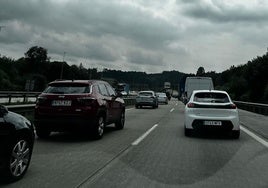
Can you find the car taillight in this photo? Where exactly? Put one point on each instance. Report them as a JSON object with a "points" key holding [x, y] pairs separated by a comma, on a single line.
{"points": [[40, 100], [232, 106], [86, 101], [190, 105]]}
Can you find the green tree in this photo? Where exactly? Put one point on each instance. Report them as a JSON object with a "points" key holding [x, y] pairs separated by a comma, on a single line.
{"points": [[200, 71], [37, 59], [36, 54], [5, 84]]}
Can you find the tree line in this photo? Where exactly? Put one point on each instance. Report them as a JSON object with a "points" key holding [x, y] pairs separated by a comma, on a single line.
{"points": [[248, 82]]}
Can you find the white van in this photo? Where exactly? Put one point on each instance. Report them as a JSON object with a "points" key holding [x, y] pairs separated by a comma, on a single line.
{"points": [[196, 83]]}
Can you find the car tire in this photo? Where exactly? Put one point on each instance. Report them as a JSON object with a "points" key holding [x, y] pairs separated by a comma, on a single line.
{"points": [[18, 160], [121, 122], [98, 129], [137, 106], [187, 132], [235, 134], [42, 133]]}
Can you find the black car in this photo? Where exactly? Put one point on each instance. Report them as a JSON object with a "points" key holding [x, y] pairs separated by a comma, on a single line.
{"points": [[16, 144]]}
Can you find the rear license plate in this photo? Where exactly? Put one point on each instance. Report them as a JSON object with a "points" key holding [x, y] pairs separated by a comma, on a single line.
{"points": [[61, 103], [216, 123]]}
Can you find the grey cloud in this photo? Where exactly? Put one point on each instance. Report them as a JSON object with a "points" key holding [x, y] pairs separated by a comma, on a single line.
{"points": [[141, 35], [91, 17], [15, 32], [218, 13], [144, 58], [100, 52], [88, 49]]}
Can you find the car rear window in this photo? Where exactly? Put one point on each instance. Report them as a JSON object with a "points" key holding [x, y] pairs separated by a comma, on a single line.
{"points": [[146, 94], [68, 89], [211, 97]]}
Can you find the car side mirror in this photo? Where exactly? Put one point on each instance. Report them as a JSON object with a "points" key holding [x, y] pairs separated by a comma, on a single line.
{"points": [[3, 110], [118, 94]]}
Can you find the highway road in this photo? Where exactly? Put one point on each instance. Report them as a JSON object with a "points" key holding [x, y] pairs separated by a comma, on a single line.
{"points": [[152, 151]]}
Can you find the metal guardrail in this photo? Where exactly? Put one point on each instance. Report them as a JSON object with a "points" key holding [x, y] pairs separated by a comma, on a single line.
{"points": [[29, 108], [129, 100], [18, 94], [253, 107]]}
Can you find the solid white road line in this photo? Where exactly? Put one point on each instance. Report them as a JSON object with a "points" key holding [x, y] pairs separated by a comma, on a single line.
{"points": [[129, 109], [136, 142], [254, 136]]}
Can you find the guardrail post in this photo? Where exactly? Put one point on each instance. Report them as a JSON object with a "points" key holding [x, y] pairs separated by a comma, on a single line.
{"points": [[24, 98], [9, 99]]}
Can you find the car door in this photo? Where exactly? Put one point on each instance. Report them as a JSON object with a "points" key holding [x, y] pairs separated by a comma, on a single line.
{"points": [[116, 106], [108, 102]]}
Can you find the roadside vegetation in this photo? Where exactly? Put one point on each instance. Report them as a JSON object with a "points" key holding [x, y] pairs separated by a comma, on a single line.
{"points": [[247, 82]]}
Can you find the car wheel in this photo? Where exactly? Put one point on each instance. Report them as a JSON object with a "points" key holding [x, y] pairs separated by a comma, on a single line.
{"points": [[99, 127], [42, 133], [235, 134], [121, 122], [18, 160], [187, 132], [137, 106]]}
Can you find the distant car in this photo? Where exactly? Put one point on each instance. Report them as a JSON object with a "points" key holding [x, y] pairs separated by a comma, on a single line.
{"points": [[16, 143], [211, 110], [162, 97], [124, 93], [146, 98], [70, 105], [133, 93]]}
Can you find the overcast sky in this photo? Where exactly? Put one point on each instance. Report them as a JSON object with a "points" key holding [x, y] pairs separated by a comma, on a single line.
{"points": [[138, 35]]}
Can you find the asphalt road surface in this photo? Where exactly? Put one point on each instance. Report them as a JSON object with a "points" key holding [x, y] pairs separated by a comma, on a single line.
{"points": [[151, 151]]}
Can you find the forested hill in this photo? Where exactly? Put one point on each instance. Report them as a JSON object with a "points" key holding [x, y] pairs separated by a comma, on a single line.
{"points": [[248, 82], [142, 80]]}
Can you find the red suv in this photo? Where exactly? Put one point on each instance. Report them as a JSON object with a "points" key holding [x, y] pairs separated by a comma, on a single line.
{"points": [[68, 105]]}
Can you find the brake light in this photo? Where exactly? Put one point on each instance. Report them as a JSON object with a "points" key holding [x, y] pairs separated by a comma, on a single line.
{"points": [[40, 100], [190, 105], [232, 106]]}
